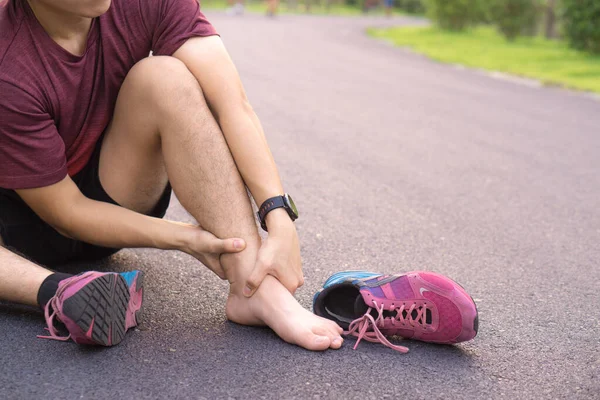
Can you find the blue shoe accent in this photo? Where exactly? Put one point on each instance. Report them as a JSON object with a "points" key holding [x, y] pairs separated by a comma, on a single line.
{"points": [[342, 276], [129, 277], [348, 275]]}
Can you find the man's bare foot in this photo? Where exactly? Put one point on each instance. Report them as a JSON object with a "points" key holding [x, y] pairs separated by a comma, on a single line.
{"points": [[274, 306]]}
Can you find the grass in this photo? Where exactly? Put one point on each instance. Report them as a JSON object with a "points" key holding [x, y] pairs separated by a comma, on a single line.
{"points": [[551, 62], [315, 9]]}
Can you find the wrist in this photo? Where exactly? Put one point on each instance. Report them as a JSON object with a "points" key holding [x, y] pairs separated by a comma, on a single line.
{"points": [[180, 236], [278, 219], [272, 212]]}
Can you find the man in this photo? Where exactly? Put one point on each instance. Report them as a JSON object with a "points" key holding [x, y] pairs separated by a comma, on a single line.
{"points": [[93, 135]]}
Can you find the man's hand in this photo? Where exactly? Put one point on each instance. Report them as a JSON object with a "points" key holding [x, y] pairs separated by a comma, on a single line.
{"points": [[208, 60], [278, 256], [65, 208], [207, 248]]}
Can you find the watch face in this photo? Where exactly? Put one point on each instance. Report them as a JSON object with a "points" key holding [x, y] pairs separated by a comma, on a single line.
{"points": [[291, 204]]}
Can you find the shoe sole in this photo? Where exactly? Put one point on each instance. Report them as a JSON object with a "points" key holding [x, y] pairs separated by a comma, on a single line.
{"points": [[99, 309], [139, 287]]}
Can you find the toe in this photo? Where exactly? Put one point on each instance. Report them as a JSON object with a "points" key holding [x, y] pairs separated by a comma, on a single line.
{"points": [[312, 340], [338, 329], [337, 343], [334, 327], [317, 342], [335, 339]]}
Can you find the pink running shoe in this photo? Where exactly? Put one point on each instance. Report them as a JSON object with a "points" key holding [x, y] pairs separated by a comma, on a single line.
{"points": [[97, 308], [418, 305]]}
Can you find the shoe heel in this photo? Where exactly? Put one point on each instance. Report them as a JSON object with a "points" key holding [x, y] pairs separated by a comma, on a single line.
{"points": [[99, 309], [139, 290]]}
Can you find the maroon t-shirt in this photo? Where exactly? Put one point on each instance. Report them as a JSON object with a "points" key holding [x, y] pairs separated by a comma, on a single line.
{"points": [[54, 105]]}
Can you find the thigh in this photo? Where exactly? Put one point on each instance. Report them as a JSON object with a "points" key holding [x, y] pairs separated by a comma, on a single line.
{"points": [[131, 167], [22, 231]]}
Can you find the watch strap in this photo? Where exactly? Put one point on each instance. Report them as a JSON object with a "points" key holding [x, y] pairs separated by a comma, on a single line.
{"points": [[268, 206]]}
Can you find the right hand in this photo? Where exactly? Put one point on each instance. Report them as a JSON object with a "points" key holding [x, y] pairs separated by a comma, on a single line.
{"points": [[207, 248], [279, 256]]}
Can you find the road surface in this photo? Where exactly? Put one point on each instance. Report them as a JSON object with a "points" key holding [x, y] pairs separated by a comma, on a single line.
{"points": [[396, 163]]}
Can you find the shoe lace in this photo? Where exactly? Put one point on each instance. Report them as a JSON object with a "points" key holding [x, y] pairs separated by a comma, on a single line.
{"points": [[53, 304], [367, 327]]}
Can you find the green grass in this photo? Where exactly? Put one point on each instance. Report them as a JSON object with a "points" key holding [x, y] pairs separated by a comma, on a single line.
{"points": [[551, 62], [315, 9]]}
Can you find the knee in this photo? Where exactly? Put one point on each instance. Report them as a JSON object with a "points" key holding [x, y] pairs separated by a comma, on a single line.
{"points": [[160, 78]]}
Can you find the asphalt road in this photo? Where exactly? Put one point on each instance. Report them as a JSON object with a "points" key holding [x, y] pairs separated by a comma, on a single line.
{"points": [[397, 163]]}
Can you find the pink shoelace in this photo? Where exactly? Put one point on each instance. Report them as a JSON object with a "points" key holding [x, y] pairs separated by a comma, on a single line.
{"points": [[360, 326], [53, 303]]}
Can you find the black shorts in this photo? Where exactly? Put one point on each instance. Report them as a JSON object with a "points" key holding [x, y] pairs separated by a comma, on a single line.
{"points": [[22, 230]]}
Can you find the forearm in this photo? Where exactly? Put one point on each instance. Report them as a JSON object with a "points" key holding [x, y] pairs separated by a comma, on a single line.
{"points": [[254, 161], [208, 60], [108, 225], [250, 150]]}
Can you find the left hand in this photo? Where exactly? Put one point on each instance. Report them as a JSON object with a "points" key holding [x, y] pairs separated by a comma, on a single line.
{"points": [[207, 248], [278, 256]]}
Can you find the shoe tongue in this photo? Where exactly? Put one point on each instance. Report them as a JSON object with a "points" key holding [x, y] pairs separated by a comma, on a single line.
{"points": [[360, 307]]}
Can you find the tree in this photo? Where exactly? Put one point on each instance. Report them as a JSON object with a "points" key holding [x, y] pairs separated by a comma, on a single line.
{"points": [[581, 20], [453, 15], [410, 6], [513, 17], [550, 23]]}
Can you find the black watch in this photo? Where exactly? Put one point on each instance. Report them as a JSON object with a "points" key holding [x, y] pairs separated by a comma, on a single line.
{"points": [[271, 204]]}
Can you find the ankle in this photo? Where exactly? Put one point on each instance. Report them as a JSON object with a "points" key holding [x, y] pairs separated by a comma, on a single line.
{"points": [[272, 299], [49, 287], [239, 266], [270, 302], [241, 311]]}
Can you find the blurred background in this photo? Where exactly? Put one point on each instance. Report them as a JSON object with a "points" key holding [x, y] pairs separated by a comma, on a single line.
{"points": [[396, 163], [554, 41]]}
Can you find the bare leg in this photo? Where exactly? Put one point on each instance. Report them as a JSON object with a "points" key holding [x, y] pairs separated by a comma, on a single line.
{"points": [[20, 279], [163, 127]]}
